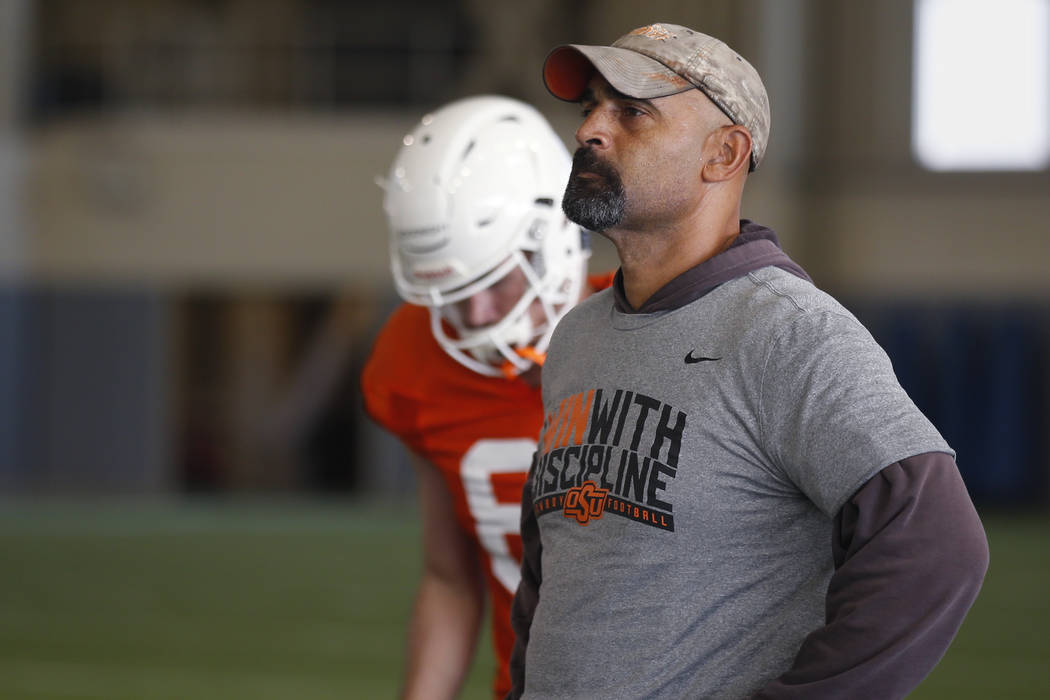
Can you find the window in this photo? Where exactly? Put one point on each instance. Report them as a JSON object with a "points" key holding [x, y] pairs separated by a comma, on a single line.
{"points": [[981, 87]]}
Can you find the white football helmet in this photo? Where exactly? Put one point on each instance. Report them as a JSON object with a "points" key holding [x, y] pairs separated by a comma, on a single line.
{"points": [[475, 192]]}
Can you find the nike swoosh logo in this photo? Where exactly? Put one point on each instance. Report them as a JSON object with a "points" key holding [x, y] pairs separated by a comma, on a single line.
{"points": [[690, 360]]}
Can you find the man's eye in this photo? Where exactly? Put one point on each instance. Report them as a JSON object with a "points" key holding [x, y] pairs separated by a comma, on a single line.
{"points": [[585, 112], [633, 111]]}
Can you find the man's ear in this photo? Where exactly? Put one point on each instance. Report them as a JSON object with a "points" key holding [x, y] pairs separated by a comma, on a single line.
{"points": [[729, 149]]}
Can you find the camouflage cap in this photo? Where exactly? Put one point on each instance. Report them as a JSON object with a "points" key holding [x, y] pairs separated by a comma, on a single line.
{"points": [[664, 59]]}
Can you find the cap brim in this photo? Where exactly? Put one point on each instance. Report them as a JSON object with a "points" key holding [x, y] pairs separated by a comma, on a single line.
{"points": [[569, 68]]}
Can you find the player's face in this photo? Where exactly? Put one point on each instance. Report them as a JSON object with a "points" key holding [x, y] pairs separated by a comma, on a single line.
{"points": [[491, 304], [647, 154]]}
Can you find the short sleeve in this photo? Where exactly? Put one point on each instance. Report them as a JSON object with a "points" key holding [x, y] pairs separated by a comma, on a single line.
{"points": [[832, 411]]}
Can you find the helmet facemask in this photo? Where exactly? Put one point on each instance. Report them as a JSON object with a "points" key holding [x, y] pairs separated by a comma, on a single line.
{"points": [[518, 339]]}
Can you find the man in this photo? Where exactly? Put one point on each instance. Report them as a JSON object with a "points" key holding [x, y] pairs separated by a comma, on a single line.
{"points": [[488, 263], [732, 496]]}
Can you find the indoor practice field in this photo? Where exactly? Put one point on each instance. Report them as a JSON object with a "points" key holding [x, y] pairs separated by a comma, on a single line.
{"points": [[232, 599]]}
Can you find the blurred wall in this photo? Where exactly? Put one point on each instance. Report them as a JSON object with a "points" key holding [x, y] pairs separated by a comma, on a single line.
{"points": [[878, 224], [289, 197], [13, 20], [213, 200], [248, 170]]}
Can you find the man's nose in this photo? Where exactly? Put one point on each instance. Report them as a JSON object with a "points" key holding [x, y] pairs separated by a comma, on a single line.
{"points": [[594, 130]]}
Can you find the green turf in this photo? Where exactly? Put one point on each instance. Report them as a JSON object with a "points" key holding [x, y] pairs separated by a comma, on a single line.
{"points": [[310, 600]]}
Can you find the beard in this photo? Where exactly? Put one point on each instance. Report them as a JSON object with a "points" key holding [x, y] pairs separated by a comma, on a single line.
{"points": [[596, 203]]}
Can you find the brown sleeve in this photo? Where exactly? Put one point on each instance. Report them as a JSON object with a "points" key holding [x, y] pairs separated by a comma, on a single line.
{"points": [[528, 593], [910, 555]]}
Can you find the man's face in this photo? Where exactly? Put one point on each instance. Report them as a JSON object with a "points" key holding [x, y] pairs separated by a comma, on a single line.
{"points": [[639, 161]]}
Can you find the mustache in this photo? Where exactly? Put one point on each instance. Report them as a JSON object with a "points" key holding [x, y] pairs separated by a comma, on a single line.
{"points": [[586, 160]]}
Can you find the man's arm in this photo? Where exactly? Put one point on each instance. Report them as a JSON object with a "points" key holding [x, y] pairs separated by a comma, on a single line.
{"points": [[450, 601], [910, 555], [528, 594]]}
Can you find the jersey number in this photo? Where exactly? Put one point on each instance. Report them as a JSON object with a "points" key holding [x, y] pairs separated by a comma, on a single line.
{"points": [[493, 473]]}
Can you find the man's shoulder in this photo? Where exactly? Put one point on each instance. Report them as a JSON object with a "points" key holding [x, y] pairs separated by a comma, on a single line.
{"points": [[582, 316], [402, 341], [410, 384], [780, 286], [771, 307], [775, 297], [597, 302], [408, 322], [406, 360]]}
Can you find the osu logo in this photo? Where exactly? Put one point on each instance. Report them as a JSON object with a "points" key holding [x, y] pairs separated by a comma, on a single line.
{"points": [[656, 32], [585, 502]]}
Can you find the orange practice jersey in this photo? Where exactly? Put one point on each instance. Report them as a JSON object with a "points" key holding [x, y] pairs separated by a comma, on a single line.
{"points": [[479, 431]]}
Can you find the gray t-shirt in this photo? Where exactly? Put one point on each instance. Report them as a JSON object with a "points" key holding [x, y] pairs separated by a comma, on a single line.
{"points": [[688, 472]]}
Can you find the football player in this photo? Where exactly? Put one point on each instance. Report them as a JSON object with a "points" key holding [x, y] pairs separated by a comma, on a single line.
{"points": [[488, 264]]}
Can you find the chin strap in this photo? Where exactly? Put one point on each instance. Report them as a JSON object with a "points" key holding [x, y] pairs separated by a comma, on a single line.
{"points": [[533, 355]]}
